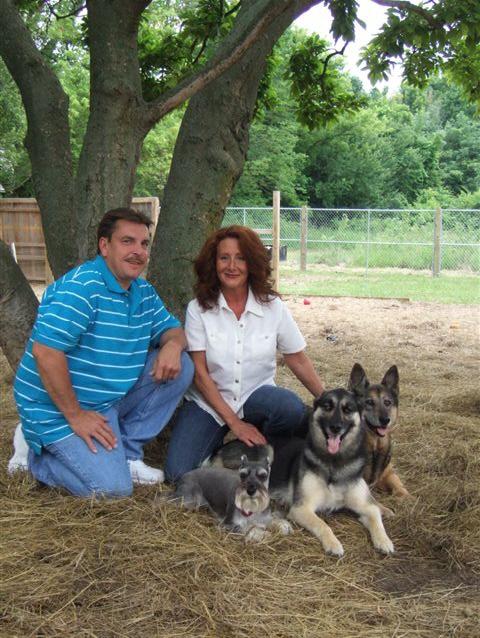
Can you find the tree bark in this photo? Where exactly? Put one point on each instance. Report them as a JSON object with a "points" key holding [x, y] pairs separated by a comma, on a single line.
{"points": [[48, 135], [115, 130], [208, 159], [18, 308]]}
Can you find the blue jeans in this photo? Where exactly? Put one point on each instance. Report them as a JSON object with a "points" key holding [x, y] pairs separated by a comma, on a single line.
{"points": [[136, 419], [196, 434]]}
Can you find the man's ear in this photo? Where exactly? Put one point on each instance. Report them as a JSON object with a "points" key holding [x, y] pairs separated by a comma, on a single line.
{"points": [[102, 244]]}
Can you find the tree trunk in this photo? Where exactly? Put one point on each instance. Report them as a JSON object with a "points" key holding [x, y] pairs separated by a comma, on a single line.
{"points": [[115, 130], [208, 159], [18, 308]]}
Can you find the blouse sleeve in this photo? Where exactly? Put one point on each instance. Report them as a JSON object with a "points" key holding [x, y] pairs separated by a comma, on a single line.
{"points": [[194, 328], [289, 337]]}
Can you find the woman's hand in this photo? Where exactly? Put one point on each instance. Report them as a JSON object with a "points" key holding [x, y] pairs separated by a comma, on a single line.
{"points": [[247, 433]]}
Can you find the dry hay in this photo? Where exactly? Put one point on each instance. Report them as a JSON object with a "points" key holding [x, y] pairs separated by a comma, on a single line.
{"points": [[72, 567]]}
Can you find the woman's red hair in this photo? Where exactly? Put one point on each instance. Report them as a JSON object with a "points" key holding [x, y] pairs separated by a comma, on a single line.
{"points": [[207, 286]]}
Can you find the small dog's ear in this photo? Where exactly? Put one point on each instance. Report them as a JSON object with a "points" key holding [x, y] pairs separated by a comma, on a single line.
{"points": [[358, 382], [391, 379]]}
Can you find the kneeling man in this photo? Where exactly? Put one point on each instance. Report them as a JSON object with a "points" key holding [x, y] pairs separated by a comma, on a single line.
{"points": [[103, 370]]}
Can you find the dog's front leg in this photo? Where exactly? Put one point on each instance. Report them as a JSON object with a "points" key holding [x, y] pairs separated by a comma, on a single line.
{"points": [[391, 482], [360, 501], [306, 517]]}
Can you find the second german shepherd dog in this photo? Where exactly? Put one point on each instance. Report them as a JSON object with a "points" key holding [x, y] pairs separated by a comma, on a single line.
{"points": [[324, 472], [380, 412]]}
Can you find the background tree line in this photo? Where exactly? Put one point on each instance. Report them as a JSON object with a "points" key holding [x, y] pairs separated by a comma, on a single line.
{"points": [[418, 148]]}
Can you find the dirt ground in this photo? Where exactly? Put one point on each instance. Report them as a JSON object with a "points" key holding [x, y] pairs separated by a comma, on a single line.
{"points": [[129, 568]]}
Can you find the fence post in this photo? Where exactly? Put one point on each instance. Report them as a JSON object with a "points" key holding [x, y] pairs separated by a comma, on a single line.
{"points": [[367, 247], [276, 240], [303, 238], [437, 246]]}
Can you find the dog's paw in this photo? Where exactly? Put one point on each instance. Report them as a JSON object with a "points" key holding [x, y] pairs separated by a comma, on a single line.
{"points": [[333, 546], [401, 492], [256, 535], [384, 545], [386, 511], [283, 526]]}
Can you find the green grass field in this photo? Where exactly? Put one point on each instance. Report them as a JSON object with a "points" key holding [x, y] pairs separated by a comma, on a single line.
{"points": [[447, 288]]}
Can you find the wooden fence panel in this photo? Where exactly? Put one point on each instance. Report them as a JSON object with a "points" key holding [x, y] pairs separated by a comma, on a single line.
{"points": [[20, 224]]}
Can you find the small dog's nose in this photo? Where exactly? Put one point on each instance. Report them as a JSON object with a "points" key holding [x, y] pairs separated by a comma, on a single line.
{"points": [[335, 429], [251, 489], [384, 420]]}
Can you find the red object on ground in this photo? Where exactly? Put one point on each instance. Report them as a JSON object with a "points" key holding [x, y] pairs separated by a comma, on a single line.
{"points": [[306, 302]]}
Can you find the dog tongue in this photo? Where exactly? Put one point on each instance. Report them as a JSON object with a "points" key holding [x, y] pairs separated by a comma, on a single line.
{"points": [[381, 431], [333, 444]]}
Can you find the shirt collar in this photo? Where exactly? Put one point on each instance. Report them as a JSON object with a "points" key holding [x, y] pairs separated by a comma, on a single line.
{"points": [[111, 281], [252, 304]]}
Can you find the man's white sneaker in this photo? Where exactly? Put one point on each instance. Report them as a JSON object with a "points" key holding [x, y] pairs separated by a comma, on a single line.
{"points": [[19, 460], [144, 474]]}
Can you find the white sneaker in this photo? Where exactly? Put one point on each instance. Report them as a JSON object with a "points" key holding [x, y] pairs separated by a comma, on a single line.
{"points": [[144, 474], [19, 460]]}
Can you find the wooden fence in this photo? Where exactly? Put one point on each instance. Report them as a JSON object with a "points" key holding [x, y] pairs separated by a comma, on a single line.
{"points": [[21, 229]]}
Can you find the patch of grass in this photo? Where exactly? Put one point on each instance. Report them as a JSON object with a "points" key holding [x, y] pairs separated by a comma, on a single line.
{"points": [[461, 289]]}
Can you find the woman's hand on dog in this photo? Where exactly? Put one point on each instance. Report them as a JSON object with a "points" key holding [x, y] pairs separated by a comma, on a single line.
{"points": [[247, 433]]}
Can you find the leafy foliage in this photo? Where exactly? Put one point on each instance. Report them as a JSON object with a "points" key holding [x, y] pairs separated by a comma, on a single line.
{"points": [[440, 35]]}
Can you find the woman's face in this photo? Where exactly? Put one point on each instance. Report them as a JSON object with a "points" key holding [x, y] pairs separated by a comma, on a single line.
{"points": [[232, 269]]}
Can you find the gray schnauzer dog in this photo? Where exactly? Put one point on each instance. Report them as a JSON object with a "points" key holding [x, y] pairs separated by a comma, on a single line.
{"points": [[238, 499]]}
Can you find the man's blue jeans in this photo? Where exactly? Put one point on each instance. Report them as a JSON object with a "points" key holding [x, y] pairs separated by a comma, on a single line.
{"points": [[136, 419], [196, 434]]}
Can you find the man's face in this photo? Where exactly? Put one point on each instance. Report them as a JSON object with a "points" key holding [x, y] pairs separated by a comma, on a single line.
{"points": [[126, 253]]}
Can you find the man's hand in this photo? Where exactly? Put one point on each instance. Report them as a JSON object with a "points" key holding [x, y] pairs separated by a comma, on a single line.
{"points": [[167, 365], [247, 433], [92, 425]]}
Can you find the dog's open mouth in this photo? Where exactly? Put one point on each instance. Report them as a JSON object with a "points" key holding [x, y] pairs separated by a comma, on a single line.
{"points": [[377, 429], [333, 443]]}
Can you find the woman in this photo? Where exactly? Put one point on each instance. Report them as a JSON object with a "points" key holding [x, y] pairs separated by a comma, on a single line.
{"points": [[234, 327]]}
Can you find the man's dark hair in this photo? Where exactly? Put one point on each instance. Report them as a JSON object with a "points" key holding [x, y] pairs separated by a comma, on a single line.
{"points": [[107, 224]]}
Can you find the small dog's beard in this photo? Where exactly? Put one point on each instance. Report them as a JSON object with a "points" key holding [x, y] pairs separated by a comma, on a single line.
{"points": [[256, 503]]}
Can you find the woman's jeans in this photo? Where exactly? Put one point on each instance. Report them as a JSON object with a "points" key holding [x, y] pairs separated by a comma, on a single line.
{"points": [[196, 434], [136, 419]]}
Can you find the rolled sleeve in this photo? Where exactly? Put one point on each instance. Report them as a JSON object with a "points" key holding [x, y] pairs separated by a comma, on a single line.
{"points": [[195, 329], [289, 337]]}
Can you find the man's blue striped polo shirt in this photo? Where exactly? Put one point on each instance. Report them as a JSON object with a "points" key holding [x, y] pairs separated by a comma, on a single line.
{"points": [[105, 333]]}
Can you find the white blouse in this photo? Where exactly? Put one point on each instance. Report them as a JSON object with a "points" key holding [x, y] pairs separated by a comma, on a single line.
{"points": [[240, 353]]}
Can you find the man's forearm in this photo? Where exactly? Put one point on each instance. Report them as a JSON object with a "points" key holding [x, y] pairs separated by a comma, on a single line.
{"points": [[174, 336], [53, 369]]}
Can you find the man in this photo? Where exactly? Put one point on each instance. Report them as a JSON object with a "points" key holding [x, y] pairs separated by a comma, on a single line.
{"points": [[103, 370]]}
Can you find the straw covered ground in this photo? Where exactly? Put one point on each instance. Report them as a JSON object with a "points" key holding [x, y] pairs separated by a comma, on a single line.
{"points": [[71, 567]]}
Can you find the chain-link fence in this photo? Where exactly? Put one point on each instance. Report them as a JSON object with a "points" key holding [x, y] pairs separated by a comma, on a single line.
{"points": [[374, 243], [426, 239]]}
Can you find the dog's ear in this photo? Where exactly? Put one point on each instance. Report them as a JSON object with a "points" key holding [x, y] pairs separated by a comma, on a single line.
{"points": [[269, 455], [391, 379], [358, 382]]}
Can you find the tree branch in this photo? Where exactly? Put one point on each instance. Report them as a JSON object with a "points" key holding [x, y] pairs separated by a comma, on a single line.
{"points": [[250, 25], [405, 5]]}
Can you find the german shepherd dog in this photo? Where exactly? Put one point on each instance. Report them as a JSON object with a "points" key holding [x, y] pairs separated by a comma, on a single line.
{"points": [[380, 412], [323, 473]]}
